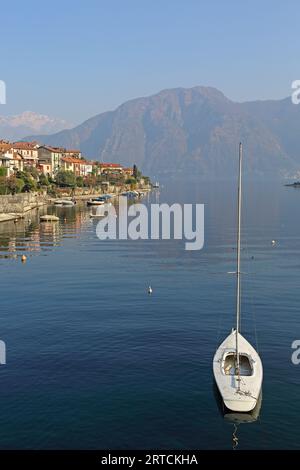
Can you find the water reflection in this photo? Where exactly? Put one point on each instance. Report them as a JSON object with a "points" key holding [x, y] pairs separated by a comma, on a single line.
{"points": [[32, 236], [236, 418]]}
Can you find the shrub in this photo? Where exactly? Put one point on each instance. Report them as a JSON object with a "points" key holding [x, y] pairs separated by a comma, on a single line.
{"points": [[43, 180], [11, 185], [66, 179], [79, 181], [3, 171]]}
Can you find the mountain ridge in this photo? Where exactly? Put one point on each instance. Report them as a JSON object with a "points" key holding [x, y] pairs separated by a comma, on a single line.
{"points": [[191, 131]]}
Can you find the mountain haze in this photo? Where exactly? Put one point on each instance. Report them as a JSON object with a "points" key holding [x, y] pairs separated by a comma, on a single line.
{"points": [[15, 127], [192, 131]]}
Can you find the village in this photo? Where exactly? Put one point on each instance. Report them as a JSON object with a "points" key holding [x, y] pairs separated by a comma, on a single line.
{"points": [[50, 163]]}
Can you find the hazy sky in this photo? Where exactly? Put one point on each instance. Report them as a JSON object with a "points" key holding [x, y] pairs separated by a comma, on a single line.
{"points": [[74, 59]]}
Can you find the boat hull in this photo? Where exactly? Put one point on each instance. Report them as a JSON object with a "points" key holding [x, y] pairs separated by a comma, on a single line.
{"points": [[239, 394], [95, 203]]}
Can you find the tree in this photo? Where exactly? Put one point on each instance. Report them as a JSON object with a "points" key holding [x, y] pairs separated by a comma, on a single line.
{"points": [[137, 174], [3, 185], [90, 180], [3, 171], [15, 185], [30, 183], [66, 179], [135, 171], [31, 170], [130, 180], [79, 181], [44, 181]]}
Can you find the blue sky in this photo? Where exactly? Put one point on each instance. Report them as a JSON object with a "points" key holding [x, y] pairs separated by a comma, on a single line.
{"points": [[74, 59]]}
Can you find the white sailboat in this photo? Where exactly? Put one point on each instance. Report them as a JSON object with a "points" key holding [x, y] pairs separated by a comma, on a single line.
{"points": [[237, 366]]}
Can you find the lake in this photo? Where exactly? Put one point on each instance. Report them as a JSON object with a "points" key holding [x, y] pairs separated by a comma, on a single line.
{"points": [[94, 362]]}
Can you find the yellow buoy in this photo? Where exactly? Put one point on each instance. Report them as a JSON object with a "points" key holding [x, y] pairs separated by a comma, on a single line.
{"points": [[23, 258]]}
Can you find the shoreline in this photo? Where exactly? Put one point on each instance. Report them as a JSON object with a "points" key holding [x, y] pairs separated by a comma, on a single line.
{"points": [[13, 215]]}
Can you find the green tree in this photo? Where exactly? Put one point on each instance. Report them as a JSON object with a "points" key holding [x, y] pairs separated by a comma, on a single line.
{"points": [[79, 181], [30, 183], [66, 179], [13, 185], [90, 180], [3, 185], [130, 180], [31, 170], [43, 180], [135, 171], [3, 171]]}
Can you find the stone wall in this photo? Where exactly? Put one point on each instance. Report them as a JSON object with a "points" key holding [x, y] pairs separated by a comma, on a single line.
{"points": [[21, 203]]}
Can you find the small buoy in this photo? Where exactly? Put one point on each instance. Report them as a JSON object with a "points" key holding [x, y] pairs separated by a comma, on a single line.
{"points": [[273, 242], [149, 290], [23, 258]]}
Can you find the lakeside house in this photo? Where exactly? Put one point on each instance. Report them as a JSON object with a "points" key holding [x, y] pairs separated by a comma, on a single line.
{"points": [[10, 159], [73, 153], [78, 166], [110, 168], [28, 150], [48, 160]]}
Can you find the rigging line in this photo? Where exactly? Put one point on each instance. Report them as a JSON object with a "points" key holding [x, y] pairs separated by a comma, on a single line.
{"points": [[220, 322], [251, 296], [235, 439]]}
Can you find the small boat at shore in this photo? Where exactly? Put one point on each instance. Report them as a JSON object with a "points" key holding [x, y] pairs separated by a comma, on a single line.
{"points": [[49, 218], [130, 194], [64, 202], [95, 202], [156, 185], [294, 185]]}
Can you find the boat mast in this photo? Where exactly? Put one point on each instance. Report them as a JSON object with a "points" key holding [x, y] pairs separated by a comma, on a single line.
{"points": [[238, 272]]}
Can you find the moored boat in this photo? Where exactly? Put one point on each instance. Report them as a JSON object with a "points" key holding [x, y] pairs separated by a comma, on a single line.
{"points": [[237, 366], [95, 202], [49, 218], [64, 202]]}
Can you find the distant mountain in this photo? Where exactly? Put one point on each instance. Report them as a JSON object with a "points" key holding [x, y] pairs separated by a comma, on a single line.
{"points": [[18, 126], [192, 131]]}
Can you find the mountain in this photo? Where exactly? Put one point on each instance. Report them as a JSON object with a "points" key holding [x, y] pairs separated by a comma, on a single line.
{"points": [[16, 127], [192, 131]]}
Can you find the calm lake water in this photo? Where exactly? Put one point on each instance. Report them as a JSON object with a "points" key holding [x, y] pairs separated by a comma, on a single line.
{"points": [[93, 361]]}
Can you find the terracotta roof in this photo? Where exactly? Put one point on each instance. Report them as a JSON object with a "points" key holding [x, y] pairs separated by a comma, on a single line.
{"points": [[110, 165], [59, 149], [4, 147], [24, 145], [75, 160], [53, 149], [72, 151]]}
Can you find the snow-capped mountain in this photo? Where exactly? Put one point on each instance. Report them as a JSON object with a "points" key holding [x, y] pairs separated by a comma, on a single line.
{"points": [[18, 126]]}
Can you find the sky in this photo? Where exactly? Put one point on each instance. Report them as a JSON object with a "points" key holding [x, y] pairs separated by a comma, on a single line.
{"points": [[74, 59]]}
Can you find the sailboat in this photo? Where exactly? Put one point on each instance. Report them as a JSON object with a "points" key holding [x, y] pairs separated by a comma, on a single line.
{"points": [[237, 366]]}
